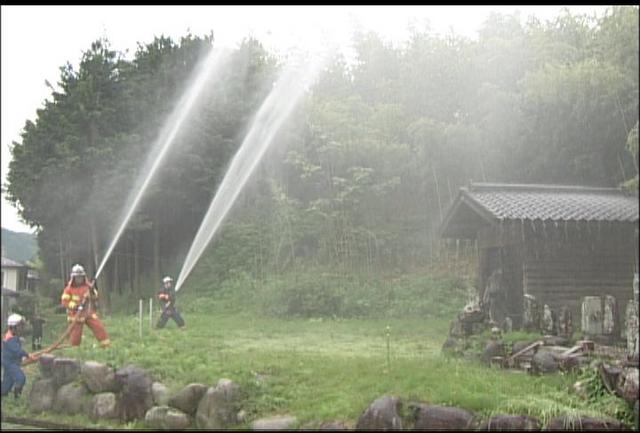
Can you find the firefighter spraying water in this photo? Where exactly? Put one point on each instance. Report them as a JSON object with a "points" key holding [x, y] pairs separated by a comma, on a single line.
{"points": [[80, 298], [167, 296]]}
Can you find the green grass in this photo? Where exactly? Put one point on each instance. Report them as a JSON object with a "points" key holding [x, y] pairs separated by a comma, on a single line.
{"points": [[318, 369]]}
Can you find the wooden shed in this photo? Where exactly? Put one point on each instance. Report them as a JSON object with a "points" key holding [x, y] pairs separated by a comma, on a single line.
{"points": [[557, 243]]}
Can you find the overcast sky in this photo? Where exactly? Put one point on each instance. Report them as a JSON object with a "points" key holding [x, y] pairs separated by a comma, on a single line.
{"points": [[37, 40]]}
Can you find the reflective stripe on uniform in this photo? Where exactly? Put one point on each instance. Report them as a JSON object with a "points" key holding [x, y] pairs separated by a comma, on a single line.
{"points": [[66, 296], [72, 304]]}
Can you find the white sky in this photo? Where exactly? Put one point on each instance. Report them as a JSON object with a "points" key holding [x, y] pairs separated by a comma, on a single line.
{"points": [[37, 40]]}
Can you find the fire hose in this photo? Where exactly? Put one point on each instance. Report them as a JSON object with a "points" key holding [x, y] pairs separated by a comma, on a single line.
{"points": [[58, 343]]}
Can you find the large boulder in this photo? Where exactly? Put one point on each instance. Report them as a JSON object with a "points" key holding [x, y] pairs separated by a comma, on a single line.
{"points": [[583, 423], [160, 394], [544, 362], [166, 418], [135, 395], [103, 406], [510, 422], [219, 406], [275, 423], [71, 399], [65, 370], [188, 398], [98, 377], [627, 386], [431, 417], [45, 364], [382, 414], [42, 395]]}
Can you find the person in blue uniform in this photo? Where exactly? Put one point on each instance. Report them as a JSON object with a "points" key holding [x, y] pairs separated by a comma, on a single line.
{"points": [[12, 355]]}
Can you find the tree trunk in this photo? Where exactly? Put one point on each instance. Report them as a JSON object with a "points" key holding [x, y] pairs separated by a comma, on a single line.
{"points": [[435, 177], [62, 271], [156, 252]]}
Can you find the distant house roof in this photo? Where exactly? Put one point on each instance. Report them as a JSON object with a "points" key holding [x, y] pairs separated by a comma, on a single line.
{"points": [[490, 203], [8, 263]]}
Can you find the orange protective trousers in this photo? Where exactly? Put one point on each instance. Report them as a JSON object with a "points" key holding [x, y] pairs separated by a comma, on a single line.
{"points": [[96, 327]]}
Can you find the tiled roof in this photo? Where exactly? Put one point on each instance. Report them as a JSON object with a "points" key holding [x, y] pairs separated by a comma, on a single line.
{"points": [[8, 263], [553, 202]]}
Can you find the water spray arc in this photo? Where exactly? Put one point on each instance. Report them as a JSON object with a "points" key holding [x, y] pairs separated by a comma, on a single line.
{"points": [[278, 105], [208, 70]]}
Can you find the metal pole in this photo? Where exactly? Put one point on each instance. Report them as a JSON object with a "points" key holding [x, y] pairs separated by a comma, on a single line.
{"points": [[150, 313], [140, 304]]}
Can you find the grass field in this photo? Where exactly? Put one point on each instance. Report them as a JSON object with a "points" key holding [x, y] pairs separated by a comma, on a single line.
{"points": [[320, 369]]}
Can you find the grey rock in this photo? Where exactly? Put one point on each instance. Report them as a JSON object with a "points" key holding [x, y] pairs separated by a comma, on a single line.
{"points": [[219, 406], [71, 399], [510, 422], [583, 423], [160, 394], [42, 395], [188, 398], [432, 417], [135, 397], [98, 377], [492, 348], [45, 364], [544, 362], [274, 423], [65, 370], [103, 406], [382, 414], [166, 418]]}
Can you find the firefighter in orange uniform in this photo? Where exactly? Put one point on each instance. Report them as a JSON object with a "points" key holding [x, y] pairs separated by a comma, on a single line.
{"points": [[80, 298]]}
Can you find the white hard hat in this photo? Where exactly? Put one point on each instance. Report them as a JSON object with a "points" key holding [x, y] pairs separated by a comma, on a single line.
{"points": [[14, 319], [77, 270], [167, 279]]}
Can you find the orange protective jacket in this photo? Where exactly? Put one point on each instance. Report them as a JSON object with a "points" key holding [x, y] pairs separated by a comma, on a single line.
{"points": [[74, 296]]}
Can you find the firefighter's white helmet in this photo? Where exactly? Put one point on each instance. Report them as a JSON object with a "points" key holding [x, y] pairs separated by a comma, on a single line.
{"points": [[167, 279], [77, 270], [14, 319]]}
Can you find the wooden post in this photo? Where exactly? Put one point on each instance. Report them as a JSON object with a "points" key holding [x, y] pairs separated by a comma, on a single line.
{"points": [[140, 304]]}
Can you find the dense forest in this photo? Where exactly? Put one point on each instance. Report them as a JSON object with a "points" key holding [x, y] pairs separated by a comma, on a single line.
{"points": [[359, 178]]}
